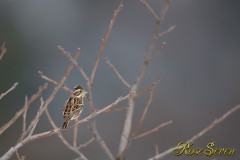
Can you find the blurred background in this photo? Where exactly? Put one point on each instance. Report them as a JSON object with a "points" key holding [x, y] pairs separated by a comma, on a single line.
{"points": [[199, 71]]}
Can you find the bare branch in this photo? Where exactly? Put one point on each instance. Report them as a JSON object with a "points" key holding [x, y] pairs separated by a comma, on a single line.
{"points": [[129, 114], [84, 145], [117, 73], [156, 149], [35, 137], [141, 119], [52, 95], [25, 113], [3, 50], [117, 109], [75, 132], [20, 112], [18, 156], [201, 133], [170, 29], [74, 62], [94, 129], [164, 10], [155, 129], [104, 40], [150, 9], [40, 73], [37, 119], [61, 137], [9, 90]]}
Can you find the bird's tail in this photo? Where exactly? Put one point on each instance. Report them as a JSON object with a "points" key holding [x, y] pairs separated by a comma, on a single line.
{"points": [[65, 124]]}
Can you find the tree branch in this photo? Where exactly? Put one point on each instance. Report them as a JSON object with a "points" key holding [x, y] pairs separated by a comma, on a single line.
{"points": [[40, 73], [129, 114], [117, 73], [61, 137], [9, 90], [20, 112], [141, 119], [201, 133], [35, 137], [104, 40], [155, 129], [74, 62], [3, 50], [52, 95]]}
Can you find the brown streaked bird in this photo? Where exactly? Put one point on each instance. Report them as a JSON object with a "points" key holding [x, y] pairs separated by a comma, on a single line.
{"points": [[74, 105]]}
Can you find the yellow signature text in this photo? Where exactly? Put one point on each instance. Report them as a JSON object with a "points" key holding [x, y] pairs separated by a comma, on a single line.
{"points": [[210, 150]]}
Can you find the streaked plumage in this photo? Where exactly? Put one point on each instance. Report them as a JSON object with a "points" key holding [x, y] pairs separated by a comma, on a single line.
{"points": [[74, 105]]}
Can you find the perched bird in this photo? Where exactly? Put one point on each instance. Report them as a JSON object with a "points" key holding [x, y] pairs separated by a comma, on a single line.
{"points": [[74, 105]]}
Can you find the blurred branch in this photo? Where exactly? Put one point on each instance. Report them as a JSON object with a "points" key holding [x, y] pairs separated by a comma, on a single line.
{"points": [[164, 10], [104, 40], [117, 73], [150, 9], [75, 131], [40, 73], [170, 29], [19, 157], [9, 90], [155, 129], [84, 145], [35, 137], [25, 113], [20, 112], [3, 50], [145, 90], [201, 133]]}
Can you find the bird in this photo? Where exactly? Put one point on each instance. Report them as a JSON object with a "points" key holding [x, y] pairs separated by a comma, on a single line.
{"points": [[74, 105]]}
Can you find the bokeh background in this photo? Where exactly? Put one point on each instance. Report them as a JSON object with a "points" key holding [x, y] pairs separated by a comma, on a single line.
{"points": [[199, 70]]}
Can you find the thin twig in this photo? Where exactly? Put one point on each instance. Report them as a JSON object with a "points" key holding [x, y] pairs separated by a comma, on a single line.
{"points": [[104, 40], [19, 157], [155, 129], [9, 90], [3, 50], [117, 109], [201, 133], [164, 10], [74, 62], [37, 119], [52, 95], [40, 73], [170, 29], [35, 137], [156, 149], [25, 113], [117, 73], [146, 90], [84, 145], [141, 119], [150, 9], [20, 112], [75, 132], [61, 137], [105, 108]]}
